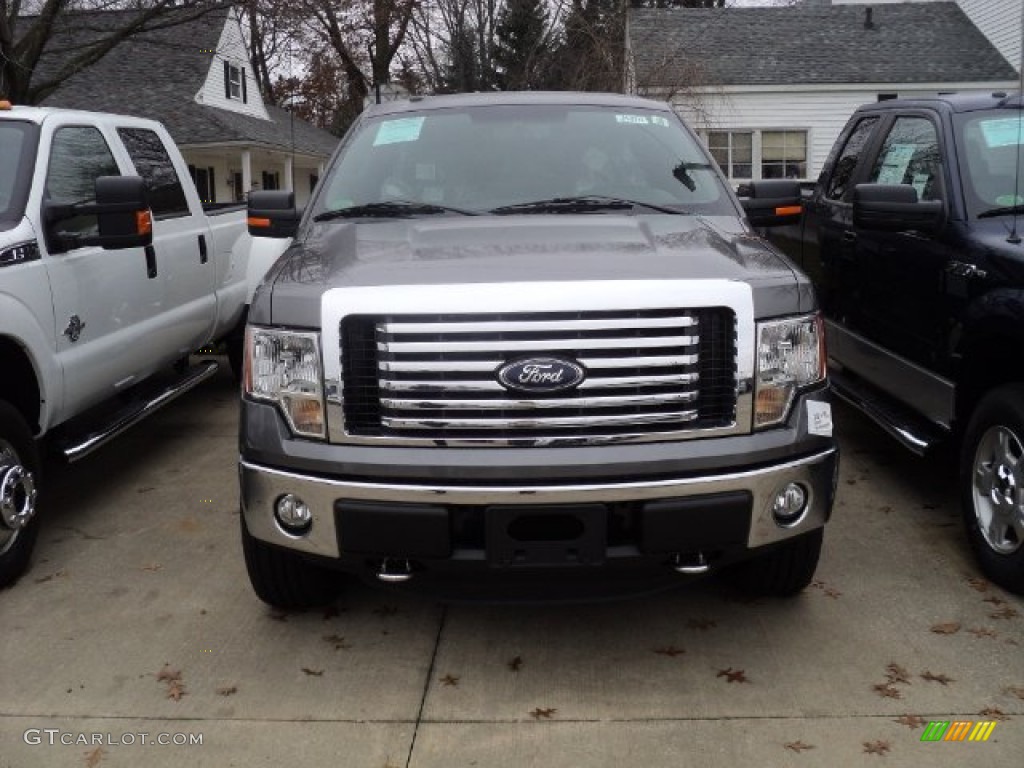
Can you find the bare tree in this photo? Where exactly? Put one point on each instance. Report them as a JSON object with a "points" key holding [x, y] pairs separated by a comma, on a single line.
{"points": [[27, 32]]}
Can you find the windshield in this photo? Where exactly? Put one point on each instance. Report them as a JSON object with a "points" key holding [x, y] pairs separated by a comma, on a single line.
{"points": [[989, 151], [483, 158], [17, 157]]}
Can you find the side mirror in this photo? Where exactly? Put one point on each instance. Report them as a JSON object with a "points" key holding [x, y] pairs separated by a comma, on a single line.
{"points": [[772, 203], [272, 214], [122, 216], [894, 208]]}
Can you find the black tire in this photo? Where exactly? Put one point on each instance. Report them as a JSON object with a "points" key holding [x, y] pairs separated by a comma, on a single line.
{"points": [[992, 486], [284, 579], [785, 571], [19, 494]]}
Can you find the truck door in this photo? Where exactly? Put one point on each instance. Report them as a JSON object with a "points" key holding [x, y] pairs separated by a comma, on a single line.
{"points": [[902, 273], [183, 253], [828, 250], [102, 300]]}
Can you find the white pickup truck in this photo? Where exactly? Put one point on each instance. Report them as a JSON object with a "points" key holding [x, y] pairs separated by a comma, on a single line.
{"points": [[111, 274]]}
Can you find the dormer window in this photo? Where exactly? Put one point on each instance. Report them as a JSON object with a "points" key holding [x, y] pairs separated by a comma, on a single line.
{"points": [[234, 82]]}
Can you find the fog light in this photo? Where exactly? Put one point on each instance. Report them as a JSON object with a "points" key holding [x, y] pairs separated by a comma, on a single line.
{"points": [[790, 505], [293, 514]]}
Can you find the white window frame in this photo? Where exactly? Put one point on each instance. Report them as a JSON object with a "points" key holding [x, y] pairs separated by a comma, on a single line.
{"points": [[234, 82], [756, 159]]}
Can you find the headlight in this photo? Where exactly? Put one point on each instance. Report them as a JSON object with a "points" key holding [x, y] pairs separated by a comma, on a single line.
{"points": [[284, 367], [790, 355]]}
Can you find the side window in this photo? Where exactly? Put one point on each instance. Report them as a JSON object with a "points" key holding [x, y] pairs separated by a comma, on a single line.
{"points": [[910, 155], [847, 161], [78, 156], [150, 158]]}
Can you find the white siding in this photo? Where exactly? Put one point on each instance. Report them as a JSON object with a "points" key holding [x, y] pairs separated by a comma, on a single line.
{"points": [[1001, 22], [231, 48], [821, 112]]}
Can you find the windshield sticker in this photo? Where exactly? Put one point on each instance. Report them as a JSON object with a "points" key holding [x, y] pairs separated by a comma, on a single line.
{"points": [[398, 131], [894, 165], [642, 120], [1005, 132]]}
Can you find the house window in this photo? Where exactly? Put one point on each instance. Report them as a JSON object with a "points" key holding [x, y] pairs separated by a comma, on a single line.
{"points": [[733, 151], [234, 82], [783, 154], [271, 180], [203, 178], [756, 154]]}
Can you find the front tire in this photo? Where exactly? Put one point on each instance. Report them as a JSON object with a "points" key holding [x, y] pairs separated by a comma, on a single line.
{"points": [[284, 579], [785, 571], [19, 495], [992, 486]]}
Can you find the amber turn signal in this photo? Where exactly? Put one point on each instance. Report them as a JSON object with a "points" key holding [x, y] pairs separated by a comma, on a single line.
{"points": [[789, 210], [143, 222], [259, 223]]}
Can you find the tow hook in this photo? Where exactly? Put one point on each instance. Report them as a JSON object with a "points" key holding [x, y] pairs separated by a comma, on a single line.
{"points": [[690, 564], [394, 571], [17, 496]]}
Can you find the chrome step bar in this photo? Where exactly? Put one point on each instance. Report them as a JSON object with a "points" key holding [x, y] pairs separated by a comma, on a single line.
{"points": [[125, 420]]}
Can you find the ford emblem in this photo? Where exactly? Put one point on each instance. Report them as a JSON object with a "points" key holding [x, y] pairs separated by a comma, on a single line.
{"points": [[541, 374]]}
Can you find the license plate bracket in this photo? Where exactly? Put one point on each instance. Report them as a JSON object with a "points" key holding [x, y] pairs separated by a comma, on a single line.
{"points": [[557, 535]]}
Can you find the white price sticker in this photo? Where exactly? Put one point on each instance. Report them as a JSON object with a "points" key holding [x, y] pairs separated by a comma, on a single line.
{"points": [[819, 418]]}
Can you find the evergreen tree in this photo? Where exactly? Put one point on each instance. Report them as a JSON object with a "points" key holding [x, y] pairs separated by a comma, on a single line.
{"points": [[519, 54]]}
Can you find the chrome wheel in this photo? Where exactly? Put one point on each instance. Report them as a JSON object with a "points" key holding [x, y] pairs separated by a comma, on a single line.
{"points": [[998, 491], [18, 496]]}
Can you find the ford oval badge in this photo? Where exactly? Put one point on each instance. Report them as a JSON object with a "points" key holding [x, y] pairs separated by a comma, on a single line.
{"points": [[541, 374]]}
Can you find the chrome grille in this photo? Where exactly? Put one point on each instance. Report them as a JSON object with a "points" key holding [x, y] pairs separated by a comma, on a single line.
{"points": [[433, 377]]}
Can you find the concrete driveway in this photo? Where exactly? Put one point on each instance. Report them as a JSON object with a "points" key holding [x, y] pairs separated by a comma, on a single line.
{"points": [[137, 626]]}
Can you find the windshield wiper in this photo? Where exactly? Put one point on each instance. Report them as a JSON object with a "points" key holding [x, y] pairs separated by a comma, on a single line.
{"points": [[1001, 211], [391, 209], [581, 204]]}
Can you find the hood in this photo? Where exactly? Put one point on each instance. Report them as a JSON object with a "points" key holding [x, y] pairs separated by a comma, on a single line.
{"points": [[505, 249]]}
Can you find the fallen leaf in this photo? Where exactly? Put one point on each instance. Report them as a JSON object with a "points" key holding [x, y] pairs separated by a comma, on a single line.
{"points": [[798, 746], [911, 721], [152, 567], [851, 481], [313, 672], [894, 673], [702, 624], [948, 628], [539, 713], [669, 650], [145, 489], [1015, 690], [886, 691], [175, 690], [56, 575], [452, 680], [227, 690], [876, 747], [168, 675], [983, 632], [515, 664], [932, 677], [92, 759], [733, 675], [978, 584], [339, 642], [832, 592], [994, 599], [1006, 612], [885, 510], [994, 713]]}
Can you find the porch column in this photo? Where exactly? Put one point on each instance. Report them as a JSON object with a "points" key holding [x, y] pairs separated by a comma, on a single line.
{"points": [[289, 174], [246, 171]]}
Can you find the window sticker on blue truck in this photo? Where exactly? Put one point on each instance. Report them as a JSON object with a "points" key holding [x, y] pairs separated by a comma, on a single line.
{"points": [[642, 120], [1004, 132], [398, 131]]}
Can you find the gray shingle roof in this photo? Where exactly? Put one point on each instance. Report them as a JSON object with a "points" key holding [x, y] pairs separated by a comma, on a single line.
{"points": [[157, 74], [907, 43]]}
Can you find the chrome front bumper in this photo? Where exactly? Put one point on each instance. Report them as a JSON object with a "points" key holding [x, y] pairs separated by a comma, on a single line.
{"points": [[261, 487]]}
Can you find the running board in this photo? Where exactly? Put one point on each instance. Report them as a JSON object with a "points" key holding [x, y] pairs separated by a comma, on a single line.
{"points": [[128, 418], [911, 430]]}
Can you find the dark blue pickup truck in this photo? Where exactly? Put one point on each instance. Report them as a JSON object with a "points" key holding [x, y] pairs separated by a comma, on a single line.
{"points": [[912, 239]]}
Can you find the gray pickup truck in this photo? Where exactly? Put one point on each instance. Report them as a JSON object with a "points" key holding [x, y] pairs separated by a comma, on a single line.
{"points": [[527, 346]]}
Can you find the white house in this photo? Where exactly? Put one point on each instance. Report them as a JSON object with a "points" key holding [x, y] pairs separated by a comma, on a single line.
{"points": [[195, 78], [769, 89]]}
